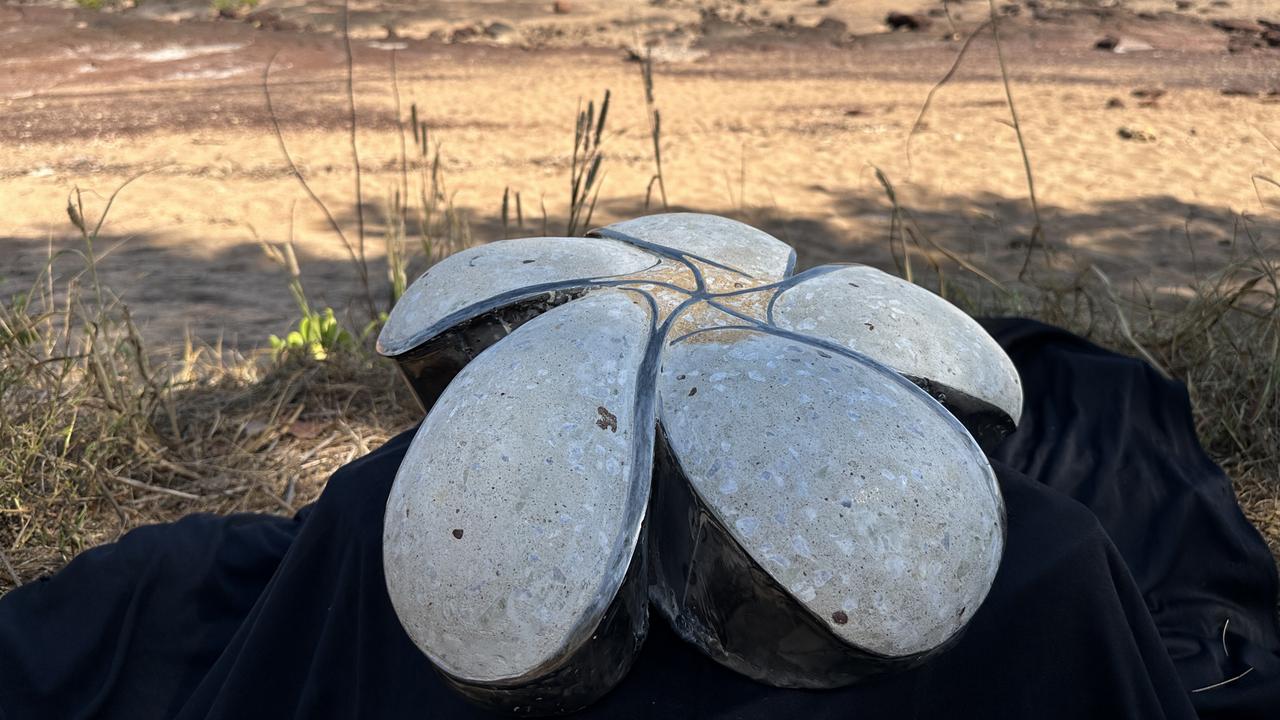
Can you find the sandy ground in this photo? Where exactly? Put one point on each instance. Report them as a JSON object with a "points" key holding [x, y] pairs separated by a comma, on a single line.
{"points": [[769, 114]]}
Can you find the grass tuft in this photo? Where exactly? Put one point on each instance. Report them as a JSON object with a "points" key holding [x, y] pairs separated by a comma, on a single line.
{"points": [[99, 436]]}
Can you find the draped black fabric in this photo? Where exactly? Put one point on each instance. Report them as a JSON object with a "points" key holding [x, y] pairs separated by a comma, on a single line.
{"points": [[1126, 557], [1113, 434]]}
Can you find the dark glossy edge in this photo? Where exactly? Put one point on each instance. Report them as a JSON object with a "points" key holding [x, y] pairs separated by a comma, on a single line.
{"points": [[432, 365], [988, 424]]}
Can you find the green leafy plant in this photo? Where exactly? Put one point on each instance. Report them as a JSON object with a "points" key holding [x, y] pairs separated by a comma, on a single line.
{"points": [[318, 336]]}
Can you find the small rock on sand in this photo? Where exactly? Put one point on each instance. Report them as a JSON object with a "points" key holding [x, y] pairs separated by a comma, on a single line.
{"points": [[1136, 134], [905, 21]]}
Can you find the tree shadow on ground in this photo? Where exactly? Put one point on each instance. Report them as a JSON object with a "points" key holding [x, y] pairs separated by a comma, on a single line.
{"points": [[235, 292]]}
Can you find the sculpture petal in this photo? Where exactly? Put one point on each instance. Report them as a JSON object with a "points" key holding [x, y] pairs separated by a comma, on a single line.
{"points": [[513, 527], [904, 326], [474, 281], [723, 241], [849, 488]]}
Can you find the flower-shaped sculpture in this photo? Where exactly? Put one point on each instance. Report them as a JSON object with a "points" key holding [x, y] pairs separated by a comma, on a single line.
{"points": [[663, 412]]}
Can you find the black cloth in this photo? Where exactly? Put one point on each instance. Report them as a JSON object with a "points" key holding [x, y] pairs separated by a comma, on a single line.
{"points": [[1126, 555], [1113, 434]]}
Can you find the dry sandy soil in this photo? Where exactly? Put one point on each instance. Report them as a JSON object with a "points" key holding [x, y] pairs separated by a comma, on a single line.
{"points": [[769, 113]]}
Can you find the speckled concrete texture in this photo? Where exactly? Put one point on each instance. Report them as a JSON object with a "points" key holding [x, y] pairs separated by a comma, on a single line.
{"points": [[470, 277], [506, 533], [728, 242], [903, 326], [852, 488]]}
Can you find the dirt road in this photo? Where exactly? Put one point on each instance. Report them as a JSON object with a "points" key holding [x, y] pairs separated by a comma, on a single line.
{"points": [[1143, 152]]}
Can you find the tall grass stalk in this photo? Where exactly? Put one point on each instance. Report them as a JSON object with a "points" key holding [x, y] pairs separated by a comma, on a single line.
{"points": [[585, 177], [1037, 230], [655, 131]]}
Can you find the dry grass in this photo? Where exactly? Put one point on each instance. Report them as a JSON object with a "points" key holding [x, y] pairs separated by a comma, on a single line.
{"points": [[99, 434], [97, 437], [1223, 342]]}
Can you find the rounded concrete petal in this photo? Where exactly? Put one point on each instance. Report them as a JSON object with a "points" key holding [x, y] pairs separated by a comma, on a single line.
{"points": [[720, 240], [850, 486], [472, 281], [517, 509], [903, 326]]}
